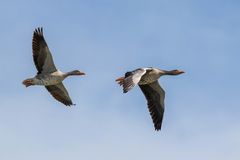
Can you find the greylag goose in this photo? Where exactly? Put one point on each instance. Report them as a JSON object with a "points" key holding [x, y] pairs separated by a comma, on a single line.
{"points": [[147, 80], [48, 75]]}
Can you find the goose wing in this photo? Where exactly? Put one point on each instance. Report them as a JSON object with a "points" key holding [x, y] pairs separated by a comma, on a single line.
{"points": [[60, 93], [132, 78], [42, 56], [155, 99]]}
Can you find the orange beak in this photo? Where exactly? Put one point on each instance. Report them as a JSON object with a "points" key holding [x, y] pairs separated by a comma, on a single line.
{"points": [[180, 72], [81, 74]]}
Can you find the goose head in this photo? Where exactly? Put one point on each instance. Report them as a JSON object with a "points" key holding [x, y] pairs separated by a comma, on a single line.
{"points": [[75, 73], [174, 72], [177, 72]]}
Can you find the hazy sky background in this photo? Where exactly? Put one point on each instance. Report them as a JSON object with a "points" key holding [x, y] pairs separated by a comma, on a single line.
{"points": [[105, 39]]}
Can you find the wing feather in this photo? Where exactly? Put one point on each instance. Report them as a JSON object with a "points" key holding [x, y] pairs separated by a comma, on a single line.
{"points": [[155, 99], [132, 78], [42, 56], [60, 93]]}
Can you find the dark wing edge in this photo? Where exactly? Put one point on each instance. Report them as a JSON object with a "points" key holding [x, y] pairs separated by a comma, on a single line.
{"points": [[132, 78], [60, 93], [155, 100], [38, 42], [41, 52]]}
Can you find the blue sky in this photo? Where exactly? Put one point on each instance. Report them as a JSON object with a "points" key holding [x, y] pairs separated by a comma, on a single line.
{"points": [[105, 39]]}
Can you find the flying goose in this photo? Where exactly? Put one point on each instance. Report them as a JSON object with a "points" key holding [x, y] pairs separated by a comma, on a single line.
{"points": [[48, 75], [147, 80]]}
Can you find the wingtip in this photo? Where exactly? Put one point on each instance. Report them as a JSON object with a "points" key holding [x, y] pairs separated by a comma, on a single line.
{"points": [[158, 128], [70, 105], [38, 31]]}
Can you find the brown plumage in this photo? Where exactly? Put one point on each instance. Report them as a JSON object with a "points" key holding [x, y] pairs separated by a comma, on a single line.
{"points": [[42, 56], [47, 74], [147, 79], [60, 93]]}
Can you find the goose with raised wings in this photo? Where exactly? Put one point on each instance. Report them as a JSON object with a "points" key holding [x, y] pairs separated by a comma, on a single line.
{"points": [[48, 75], [147, 80]]}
